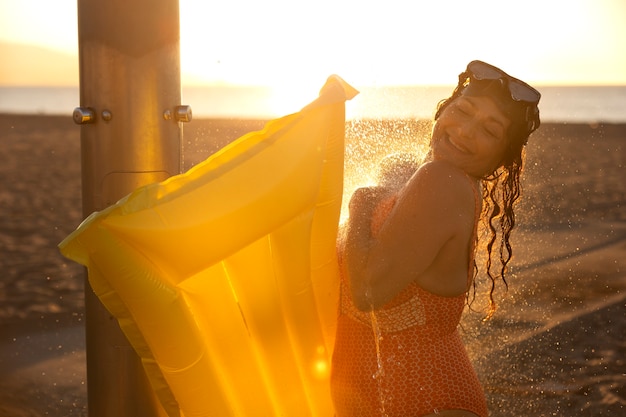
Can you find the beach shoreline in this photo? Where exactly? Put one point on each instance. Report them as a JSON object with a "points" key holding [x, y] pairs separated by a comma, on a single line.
{"points": [[554, 347]]}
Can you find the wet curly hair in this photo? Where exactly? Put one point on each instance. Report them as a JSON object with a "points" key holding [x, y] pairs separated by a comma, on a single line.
{"points": [[501, 189]]}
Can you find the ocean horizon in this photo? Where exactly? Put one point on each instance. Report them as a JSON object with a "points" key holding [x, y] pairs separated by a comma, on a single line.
{"points": [[573, 104]]}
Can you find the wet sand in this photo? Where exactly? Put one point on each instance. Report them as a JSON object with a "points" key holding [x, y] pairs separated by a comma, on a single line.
{"points": [[555, 347]]}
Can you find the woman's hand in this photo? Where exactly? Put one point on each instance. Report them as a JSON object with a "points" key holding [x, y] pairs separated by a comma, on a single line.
{"points": [[364, 201]]}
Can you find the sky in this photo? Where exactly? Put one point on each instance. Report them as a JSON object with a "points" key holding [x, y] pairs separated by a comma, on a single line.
{"points": [[374, 43]]}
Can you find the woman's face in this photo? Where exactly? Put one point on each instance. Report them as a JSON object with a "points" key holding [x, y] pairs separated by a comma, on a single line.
{"points": [[471, 135]]}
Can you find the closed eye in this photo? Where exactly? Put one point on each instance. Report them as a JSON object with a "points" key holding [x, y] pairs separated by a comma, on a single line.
{"points": [[464, 107], [494, 130]]}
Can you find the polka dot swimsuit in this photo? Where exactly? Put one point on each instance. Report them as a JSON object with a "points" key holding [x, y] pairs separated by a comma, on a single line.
{"points": [[419, 365]]}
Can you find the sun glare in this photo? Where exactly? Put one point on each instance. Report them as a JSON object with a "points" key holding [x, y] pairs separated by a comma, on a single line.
{"points": [[274, 42], [281, 43], [291, 97]]}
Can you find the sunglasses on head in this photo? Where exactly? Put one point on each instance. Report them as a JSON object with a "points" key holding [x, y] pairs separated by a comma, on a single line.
{"points": [[519, 90]]}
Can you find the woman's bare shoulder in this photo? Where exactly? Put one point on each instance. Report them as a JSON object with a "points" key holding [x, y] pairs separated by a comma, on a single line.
{"points": [[443, 179], [441, 170]]}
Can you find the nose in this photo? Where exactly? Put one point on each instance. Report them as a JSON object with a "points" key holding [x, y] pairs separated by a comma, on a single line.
{"points": [[467, 129]]}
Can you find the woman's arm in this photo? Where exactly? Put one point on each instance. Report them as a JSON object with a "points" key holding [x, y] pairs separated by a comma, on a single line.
{"points": [[436, 207], [358, 239]]}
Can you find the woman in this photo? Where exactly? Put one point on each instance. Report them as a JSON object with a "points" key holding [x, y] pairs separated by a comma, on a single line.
{"points": [[407, 256]]}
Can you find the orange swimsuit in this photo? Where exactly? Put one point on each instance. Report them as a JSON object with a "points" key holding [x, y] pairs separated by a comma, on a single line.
{"points": [[422, 366]]}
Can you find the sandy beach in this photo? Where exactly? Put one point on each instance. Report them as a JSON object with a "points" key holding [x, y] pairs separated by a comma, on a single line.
{"points": [[556, 346]]}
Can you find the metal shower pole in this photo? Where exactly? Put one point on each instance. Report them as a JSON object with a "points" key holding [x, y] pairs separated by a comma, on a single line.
{"points": [[131, 135]]}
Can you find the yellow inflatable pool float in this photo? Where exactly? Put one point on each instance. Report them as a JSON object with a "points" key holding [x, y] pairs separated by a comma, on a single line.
{"points": [[224, 278]]}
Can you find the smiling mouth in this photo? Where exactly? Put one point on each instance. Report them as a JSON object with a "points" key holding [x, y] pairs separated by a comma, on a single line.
{"points": [[457, 145]]}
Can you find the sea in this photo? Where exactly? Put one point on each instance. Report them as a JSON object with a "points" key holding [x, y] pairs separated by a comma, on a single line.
{"points": [[574, 104]]}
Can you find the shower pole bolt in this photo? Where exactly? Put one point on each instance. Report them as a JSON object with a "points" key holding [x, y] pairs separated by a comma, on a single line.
{"points": [[84, 115]]}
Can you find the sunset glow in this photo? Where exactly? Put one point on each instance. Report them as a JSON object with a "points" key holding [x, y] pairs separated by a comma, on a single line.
{"points": [[279, 42]]}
